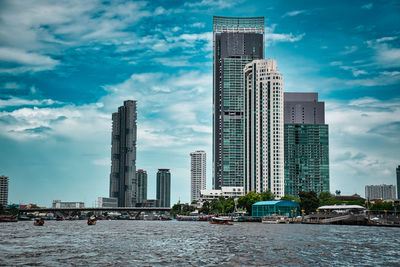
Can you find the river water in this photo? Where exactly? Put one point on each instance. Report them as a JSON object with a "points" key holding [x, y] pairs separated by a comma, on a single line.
{"points": [[173, 243]]}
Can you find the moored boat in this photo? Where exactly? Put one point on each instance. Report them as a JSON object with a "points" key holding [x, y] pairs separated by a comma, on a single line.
{"points": [[219, 220], [8, 218], [38, 222]]}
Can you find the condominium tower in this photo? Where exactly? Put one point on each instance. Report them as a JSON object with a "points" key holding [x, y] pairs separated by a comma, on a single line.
{"points": [[197, 174], [141, 176], [164, 187], [263, 127], [382, 191], [306, 144], [398, 181], [123, 183], [3, 190], [237, 41]]}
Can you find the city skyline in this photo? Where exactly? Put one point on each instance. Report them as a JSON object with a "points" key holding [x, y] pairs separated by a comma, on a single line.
{"points": [[65, 68]]}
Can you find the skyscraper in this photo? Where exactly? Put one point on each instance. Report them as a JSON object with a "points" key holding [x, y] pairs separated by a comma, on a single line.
{"points": [[197, 174], [263, 127], [237, 41], [141, 176], [306, 144], [164, 187], [3, 190], [398, 181], [123, 183]]}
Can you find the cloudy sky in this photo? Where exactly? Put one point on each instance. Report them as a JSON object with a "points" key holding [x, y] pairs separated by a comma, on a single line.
{"points": [[65, 66]]}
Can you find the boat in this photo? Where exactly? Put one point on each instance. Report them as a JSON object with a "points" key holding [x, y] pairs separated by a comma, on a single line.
{"points": [[221, 221], [270, 219], [8, 218], [91, 221], [38, 222]]}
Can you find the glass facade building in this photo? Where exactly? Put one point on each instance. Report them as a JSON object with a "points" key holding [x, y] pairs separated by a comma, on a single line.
{"points": [[123, 183], [141, 176], [164, 187], [237, 41], [271, 208], [306, 143]]}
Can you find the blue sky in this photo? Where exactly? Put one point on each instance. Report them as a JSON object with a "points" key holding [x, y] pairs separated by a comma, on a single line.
{"points": [[66, 66]]}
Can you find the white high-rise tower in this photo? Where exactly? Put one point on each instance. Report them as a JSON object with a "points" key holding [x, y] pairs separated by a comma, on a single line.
{"points": [[197, 173], [263, 127]]}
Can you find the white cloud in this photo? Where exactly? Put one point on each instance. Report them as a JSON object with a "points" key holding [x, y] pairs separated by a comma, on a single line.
{"points": [[367, 6], [16, 102], [349, 49], [294, 13], [212, 3], [272, 37]]}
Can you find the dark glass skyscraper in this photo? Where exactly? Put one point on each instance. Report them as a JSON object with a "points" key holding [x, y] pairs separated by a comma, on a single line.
{"points": [[123, 183], [237, 41], [164, 187], [141, 176], [398, 181], [306, 141]]}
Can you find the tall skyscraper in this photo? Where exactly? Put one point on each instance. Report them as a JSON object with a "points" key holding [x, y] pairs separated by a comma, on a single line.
{"points": [[263, 127], [3, 190], [306, 144], [123, 183], [197, 174], [237, 41], [141, 176], [164, 187], [398, 181], [382, 191]]}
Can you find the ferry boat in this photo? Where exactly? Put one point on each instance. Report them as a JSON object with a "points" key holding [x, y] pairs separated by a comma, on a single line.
{"points": [[8, 218], [220, 220]]}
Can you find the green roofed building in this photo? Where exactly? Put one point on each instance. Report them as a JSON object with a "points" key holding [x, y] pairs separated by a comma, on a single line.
{"points": [[279, 207]]}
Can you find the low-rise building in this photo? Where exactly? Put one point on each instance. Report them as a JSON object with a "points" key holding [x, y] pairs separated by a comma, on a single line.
{"points": [[225, 191], [107, 202], [58, 204], [277, 207]]}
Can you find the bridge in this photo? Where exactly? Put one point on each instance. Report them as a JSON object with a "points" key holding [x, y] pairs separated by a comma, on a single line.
{"points": [[126, 209]]}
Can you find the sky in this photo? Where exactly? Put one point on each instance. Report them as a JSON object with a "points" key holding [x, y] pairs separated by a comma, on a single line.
{"points": [[65, 66]]}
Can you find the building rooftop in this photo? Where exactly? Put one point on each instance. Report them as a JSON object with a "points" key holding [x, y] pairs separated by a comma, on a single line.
{"points": [[277, 203]]}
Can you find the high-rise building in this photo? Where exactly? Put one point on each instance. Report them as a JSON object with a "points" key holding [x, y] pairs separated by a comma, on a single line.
{"points": [[398, 181], [197, 174], [164, 187], [141, 176], [382, 191], [263, 127], [306, 144], [3, 190], [237, 41], [123, 183]]}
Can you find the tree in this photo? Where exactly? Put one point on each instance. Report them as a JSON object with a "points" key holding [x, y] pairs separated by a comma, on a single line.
{"points": [[176, 209], [248, 200], [309, 201], [288, 197], [205, 209], [267, 195], [382, 206]]}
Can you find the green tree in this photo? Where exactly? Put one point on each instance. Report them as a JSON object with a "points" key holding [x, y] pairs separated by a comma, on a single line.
{"points": [[288, 197], [176, 209], [382, 206], [205, 209], [2, 209], [267, 195], [248, 200], [309, 201]]}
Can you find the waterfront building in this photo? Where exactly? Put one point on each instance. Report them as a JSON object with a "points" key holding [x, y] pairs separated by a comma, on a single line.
{"points": [[164, 187], [263, 128], [107, 202], [141, 176], [123, 183], [382, 191], [271, 208], [306, 144], [225, 191], [237, 41], [197, 174], [3, 190], [149, 203], [58, 204], [398, 181]]}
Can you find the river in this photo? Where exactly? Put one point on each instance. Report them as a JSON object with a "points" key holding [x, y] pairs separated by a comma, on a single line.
{"points": [[173, 243]]}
